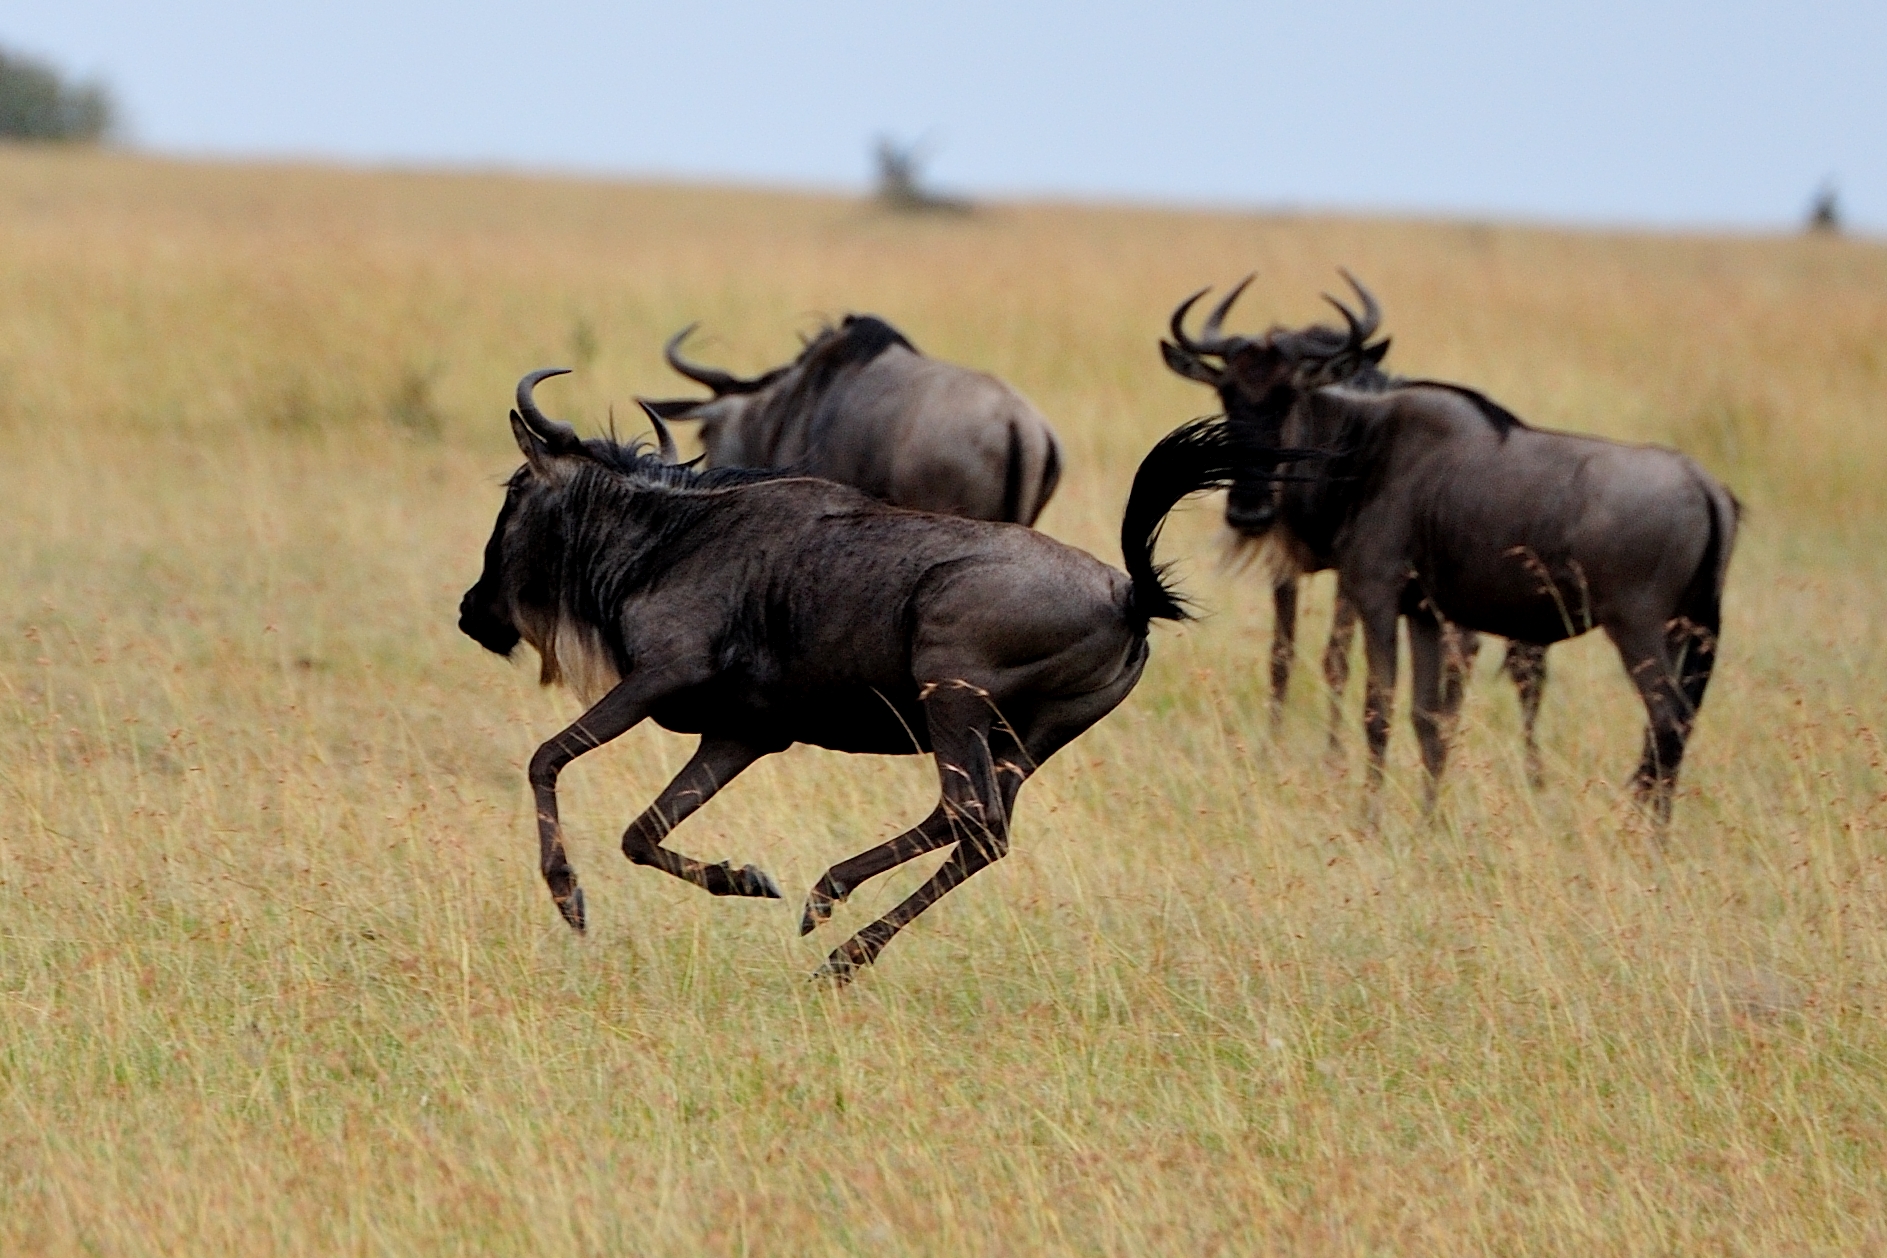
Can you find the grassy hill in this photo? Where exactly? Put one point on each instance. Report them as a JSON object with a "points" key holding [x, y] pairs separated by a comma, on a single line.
{"points": [[277, 973]]}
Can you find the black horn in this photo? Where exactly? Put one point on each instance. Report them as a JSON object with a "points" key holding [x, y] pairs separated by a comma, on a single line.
{"points": [[1178, 327], [1217, 317], [720, 381], [1364, 326], [554, 433]]}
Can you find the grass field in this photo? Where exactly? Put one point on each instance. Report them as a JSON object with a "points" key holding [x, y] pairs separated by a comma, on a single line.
{"points": [[278, 975]]}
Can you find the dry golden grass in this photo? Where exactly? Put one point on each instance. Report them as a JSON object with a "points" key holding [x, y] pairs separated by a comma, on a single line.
{"points": [[277, 974]]}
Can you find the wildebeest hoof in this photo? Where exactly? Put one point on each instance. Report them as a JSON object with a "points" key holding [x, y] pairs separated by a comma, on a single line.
{"points": [[838, 970], [819, 906], [755, 881], [571, 906], [748, 880]]}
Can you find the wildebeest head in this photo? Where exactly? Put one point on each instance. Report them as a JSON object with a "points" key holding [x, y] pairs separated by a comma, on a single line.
{"points": [[732, 395], [513, 599], [1258, 378]]}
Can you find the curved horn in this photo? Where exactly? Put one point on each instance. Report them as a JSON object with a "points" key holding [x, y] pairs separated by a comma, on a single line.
{"points": [[1349, 316], [720, 381], [1213, 320], [1372, 313], [1177, 325], [664, 439], [1364, 326], [1330, 367], [553, 432]]}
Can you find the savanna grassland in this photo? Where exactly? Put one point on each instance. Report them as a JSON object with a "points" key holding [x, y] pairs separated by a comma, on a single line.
{"points": [[278, 975]]}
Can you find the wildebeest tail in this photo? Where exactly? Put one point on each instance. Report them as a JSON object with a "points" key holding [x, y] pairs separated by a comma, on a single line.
{"points": [[1703, 598], [1033, 470], [1012, 479], [1202, 454]]}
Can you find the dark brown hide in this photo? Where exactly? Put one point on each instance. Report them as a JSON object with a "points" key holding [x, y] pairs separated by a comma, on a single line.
{"points": [[1253, 506], [1439, 505], [760, 610], [863, 407]]}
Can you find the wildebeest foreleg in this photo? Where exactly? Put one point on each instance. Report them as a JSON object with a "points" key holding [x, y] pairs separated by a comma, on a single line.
{"points": [[1429, 709], [1379, 691], [1644, 651], [1337, 664], [619, 710], [716, 762], [1283, 644], [1526, 664]]}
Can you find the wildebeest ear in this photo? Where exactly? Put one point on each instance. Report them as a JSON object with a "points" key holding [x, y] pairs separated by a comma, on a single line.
{"points": [[674, 408], [1188, 365], [540, 436], [664, 440], [1377, 352], [535, 452], [1335, 370]]}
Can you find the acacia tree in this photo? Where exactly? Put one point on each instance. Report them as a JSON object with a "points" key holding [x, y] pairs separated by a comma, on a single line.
{"points": [[37, 104]]}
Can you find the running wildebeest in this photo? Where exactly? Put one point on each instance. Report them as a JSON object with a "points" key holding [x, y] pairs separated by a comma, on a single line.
{"points": [[861, 406], [759, 609], [1254, 506]]}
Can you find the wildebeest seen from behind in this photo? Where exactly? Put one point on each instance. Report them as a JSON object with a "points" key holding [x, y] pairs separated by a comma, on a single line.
{"points": [[759, 610], [1439, 505], [861, 406], [1252, 509]]}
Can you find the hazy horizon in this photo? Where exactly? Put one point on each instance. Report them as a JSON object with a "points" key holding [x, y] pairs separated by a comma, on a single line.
{"points": [[1663, 116]]}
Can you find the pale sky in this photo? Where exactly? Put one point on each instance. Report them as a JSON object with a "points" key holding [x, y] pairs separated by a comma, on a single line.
{"points": [[1668, 113]]}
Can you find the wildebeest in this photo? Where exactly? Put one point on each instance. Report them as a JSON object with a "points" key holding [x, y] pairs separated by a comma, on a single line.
{"points": [[860, 405], [1252, 510], [758, 610], [1437, 504]]}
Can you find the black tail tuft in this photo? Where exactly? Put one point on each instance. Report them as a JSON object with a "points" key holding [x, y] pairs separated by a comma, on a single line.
{"points": [[1203, 454], [1702, 608]]}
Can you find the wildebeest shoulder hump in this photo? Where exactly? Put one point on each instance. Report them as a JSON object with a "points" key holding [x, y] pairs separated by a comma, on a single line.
{"points": [[1504, 420]]}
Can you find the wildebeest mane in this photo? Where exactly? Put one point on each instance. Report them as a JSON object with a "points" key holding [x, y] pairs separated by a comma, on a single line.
{"points": [[855, 342], [641, 462], [597, 563]]}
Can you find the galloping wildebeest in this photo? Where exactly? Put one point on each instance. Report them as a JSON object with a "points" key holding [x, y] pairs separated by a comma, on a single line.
{"points": [[1254, 507], [1437, 504], [758, 610], [862, 407]]}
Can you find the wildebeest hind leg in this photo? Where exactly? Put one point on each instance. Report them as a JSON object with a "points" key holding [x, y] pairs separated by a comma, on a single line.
{"points": [[978, 818], [716, 762], [1668, 712], [1526, 664], [838, 883], [619, 710], [968, 775], [941, 828]]}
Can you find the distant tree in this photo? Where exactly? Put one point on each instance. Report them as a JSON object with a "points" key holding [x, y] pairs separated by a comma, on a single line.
{"points": [[900, 185], [37, 104], [1824, 212]]}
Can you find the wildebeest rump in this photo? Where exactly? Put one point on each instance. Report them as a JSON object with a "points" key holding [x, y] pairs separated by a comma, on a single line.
{"points": [[1252, 511], [861, 406], [760, 610], [1438, 504]]}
